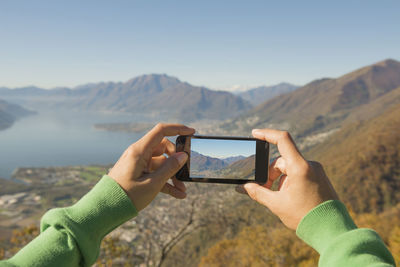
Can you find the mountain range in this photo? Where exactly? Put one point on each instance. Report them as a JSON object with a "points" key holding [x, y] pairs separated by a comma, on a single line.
{"points": [[9, 113], [152, 96], [361, 157], [261, 94], [201, 162], [327, 103], [232, 159]]}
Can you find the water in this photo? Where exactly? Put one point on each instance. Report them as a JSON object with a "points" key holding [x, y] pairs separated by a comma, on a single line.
{"points": [[61, 139]]}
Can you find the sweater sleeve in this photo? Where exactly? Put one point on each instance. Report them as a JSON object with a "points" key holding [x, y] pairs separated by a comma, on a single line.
{"points": [[329, 229], [71, 236]]}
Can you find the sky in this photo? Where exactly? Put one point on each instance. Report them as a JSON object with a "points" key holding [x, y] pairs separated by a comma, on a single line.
{"points": [[223, 148], [218, 44]]}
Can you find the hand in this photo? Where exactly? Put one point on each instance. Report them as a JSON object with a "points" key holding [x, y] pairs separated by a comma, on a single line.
{"points": [[143, 170], [303, 185]]}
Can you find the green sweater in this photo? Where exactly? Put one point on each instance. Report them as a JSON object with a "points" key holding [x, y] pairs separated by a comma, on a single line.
{"points": [[71, 236]]}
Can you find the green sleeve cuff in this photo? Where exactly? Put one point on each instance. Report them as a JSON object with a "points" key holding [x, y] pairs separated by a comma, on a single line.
{"points": [[323, 223], [95, 215]]}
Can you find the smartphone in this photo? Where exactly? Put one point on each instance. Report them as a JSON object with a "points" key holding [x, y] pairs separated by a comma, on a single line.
{"points": [[223, 159]]}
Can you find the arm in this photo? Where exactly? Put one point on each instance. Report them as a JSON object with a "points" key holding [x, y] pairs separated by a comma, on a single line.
{"points": [[307, 201], [329, 229], [71, 236]]}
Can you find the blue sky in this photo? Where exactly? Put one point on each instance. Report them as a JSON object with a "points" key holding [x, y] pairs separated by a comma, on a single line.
{"points": [[223, 148], [218, 44]]}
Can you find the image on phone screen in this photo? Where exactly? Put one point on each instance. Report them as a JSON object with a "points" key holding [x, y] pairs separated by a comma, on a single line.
{"points": [[225, 159]]}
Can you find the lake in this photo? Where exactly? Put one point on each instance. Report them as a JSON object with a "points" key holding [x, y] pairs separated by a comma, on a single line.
{"points": [[62, 138]]}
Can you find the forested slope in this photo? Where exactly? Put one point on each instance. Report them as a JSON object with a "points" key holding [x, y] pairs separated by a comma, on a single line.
{"points": [[363, 162]]}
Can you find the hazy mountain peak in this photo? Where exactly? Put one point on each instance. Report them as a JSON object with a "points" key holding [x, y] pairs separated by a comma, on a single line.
{"points": [[89, 86], [388, 62], [152, 77], [261, 94], [155, 82]]}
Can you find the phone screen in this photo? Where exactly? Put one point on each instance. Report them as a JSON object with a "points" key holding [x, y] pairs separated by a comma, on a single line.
{"points": [[219, 158]]}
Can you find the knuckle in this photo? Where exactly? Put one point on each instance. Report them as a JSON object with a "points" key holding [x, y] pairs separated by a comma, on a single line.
{"points": [[285, 135], [131, 151], [309, 168], [280, 163], [303, 168], [315, 164], [160, 126], [317, 168]]}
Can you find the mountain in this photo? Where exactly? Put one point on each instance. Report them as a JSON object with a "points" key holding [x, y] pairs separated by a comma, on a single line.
{"points": [[326, 103], [153, 96], [230, 160], [363, 161], [200, 162], [261, 94], [243, 168], [238, 166], [9, 113]]}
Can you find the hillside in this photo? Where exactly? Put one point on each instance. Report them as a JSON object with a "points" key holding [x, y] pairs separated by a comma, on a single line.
{"points": [[324, 104], [200, 162], [363, 162], [152, 96], [243, 168], [261, 94], [284, 248], [9, 113], [209, 213], [230, 160], [231, 167]]}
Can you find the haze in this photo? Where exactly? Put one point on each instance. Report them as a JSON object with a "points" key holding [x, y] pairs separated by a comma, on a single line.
{"points": [[218, 44]]}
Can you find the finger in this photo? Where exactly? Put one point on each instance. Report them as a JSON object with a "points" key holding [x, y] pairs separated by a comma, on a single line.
{"points": [[274, 172], [169, 168], [261, 194], [173, 191], [240, 189], [165, 146], [179, 184], [155, 135], [157, 162], [283, 179], [287, 148]]}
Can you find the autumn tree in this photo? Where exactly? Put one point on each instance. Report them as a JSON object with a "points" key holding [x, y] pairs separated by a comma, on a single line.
{"points": [[260, 246], [394, 244]]}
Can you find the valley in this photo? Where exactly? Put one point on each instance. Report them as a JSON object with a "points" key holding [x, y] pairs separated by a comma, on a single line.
{"points": [[238, 167], [350, 124]]}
